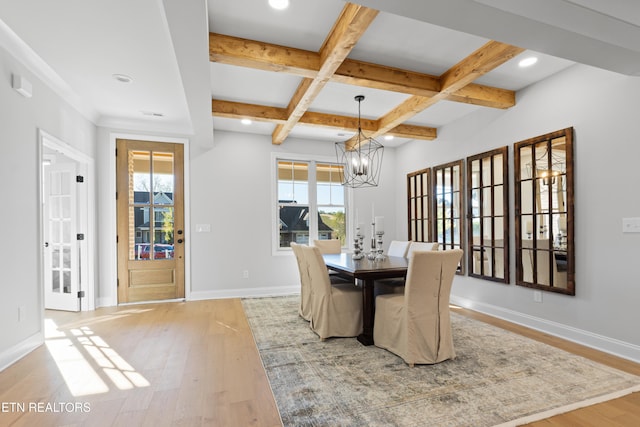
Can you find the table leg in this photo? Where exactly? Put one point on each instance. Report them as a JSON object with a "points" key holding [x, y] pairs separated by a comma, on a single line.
{"points": [[368, 313]]}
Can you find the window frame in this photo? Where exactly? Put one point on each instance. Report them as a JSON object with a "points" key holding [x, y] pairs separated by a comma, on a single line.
{"points": [[417, 199], [521, 213], [445, 245], [491, 186], [312, 160]]}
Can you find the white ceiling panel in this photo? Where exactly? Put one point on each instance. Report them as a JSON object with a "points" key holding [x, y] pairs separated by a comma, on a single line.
{"points": [[396, 41], [252, 86]]}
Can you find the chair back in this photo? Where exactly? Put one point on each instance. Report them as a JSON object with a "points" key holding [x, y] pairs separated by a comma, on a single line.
{"points": [[328, 246], [305, 281], [426, 298], [421, 246], [318, 274], [431, 273], [398, 248]]}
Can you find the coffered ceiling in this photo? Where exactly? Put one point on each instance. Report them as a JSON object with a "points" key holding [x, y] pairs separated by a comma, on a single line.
{"points": [[295, 73], [412, 59]]}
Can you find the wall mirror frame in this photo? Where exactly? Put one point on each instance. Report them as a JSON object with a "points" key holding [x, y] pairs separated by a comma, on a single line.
{"points": [[544, 212], [419, 205], [448, 207], [488, 215]]}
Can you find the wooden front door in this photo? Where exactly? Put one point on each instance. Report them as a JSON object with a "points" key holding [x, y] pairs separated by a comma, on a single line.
{"points": [[150, 220]]}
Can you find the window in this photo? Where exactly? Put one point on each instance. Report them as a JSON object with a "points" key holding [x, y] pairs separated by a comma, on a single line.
{"points": [[419, 209], [448, 206], [488, 224], [310, 202]]}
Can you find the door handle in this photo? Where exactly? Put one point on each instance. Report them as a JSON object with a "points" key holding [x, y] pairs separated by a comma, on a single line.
{"points": [[180, 240]]}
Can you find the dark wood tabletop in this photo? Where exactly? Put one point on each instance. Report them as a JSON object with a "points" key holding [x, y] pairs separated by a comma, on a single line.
{"points": [[367, 271]]}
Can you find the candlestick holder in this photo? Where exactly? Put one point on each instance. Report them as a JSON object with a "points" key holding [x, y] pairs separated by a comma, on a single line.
{"points": [[372, 254], [380, 256], [357, 245]]}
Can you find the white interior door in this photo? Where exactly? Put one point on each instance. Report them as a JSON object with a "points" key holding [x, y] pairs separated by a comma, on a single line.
{"points": [[61, 254]]}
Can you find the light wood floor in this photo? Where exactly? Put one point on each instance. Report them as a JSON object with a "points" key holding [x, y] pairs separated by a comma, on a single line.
{"points": [[189, 364]]}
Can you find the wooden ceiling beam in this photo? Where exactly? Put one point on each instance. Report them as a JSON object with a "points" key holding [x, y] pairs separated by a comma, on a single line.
{"points": [[262, 56], [278, 115], [274, 58], [347, 30], [486, 58]]}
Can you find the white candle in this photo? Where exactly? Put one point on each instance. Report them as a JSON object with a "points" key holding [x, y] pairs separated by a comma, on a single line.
{"points": [[379, 221]]}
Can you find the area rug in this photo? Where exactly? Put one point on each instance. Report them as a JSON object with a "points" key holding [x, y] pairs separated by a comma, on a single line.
{"points": [[497, 378]]}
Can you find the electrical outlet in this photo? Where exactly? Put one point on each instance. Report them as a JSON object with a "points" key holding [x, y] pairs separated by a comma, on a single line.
{"points": [[245, 274], [22, 313], [537, 296]]}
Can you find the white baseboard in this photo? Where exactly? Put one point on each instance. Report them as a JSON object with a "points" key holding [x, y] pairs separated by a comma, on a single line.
{"points": [[245, 293], [18, 351], [599, 342]]}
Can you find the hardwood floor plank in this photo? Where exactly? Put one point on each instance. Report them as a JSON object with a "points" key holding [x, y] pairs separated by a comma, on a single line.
{"points": [[196, 364]]}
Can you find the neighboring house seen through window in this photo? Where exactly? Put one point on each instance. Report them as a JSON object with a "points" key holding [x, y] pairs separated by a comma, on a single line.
{"points": [[311, 202]]}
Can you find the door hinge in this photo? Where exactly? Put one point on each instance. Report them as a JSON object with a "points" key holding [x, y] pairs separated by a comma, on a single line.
{"points": [[80, 294], [79, 178], [117, 283], [80, 236]]}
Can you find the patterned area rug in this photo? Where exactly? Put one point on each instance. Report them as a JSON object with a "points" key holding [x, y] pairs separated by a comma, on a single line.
{"points": [[498, 377]]}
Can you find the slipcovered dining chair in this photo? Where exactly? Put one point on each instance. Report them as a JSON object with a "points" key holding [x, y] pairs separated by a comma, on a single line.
{"points": [[331, 246], [416, 325], [328, 246], [422, 246], [398, 248], [305, 282], [386, 286], [336, 310]]}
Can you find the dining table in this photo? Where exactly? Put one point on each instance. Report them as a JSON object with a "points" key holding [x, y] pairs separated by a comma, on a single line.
{"points": [[367, 271]]}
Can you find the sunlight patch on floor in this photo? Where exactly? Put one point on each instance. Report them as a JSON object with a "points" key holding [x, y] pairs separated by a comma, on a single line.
{"points": [[87, 363]]}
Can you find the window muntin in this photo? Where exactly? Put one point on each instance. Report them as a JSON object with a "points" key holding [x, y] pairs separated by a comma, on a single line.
{"points": [[447, 191], [419, 205], [544, 212], [488, 224]]}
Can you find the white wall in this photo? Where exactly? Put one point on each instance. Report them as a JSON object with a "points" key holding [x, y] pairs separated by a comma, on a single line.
{"points": [[20, 119], [603, 109], [231, 187]]}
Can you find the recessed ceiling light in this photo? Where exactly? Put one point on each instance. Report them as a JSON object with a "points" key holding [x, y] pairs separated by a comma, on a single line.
{"points": [[279, 4], [527, 62], [122, 78], [246, 121], [388, 137]]}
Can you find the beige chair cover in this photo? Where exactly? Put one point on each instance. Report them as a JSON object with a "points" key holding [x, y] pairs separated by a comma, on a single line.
{"points": [[422, 246], [328, 246], [336, 310], [398, 248], [416, 325], [387, 286], [305, 282]]}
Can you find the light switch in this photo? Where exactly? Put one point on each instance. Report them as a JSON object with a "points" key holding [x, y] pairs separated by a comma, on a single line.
{"points": [[631, 225], [203, 228]]}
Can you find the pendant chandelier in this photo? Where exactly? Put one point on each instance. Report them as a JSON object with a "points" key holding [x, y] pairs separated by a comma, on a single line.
{"points": [[361, 157]]}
